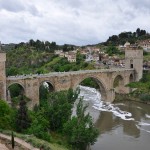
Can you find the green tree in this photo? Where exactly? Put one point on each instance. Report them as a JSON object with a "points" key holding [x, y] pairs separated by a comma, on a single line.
{"points": [[80, 130], [59, 110], [43, 93], [16, 90], [40, 125], [22, 118], [5, 115], [112, 50]]}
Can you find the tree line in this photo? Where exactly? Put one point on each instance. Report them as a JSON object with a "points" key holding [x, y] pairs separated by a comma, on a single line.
{"points": [[131, 37]]}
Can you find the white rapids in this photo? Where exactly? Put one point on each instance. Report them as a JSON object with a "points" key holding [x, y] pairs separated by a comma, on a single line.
{"points": [[147, 116], [92, 95]]}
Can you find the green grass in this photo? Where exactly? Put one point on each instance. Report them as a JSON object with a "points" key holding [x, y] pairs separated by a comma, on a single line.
{"points": [[53, 62], [35, 141]]}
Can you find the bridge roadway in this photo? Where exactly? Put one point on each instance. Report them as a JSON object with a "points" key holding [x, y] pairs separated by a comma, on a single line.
{"points": [[20, 77]]}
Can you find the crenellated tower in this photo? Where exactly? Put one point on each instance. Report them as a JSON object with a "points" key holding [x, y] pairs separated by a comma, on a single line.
{"points": [[134, 59]]}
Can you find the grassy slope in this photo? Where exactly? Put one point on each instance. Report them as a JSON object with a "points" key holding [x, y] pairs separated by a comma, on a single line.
{"points": [[36, 142]]}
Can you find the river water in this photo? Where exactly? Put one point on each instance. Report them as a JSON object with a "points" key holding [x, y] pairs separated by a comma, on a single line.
{"points": [[122, 126]]}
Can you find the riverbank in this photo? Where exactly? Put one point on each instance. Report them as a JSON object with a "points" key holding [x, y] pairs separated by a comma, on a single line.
{"points": [[128, 97]]}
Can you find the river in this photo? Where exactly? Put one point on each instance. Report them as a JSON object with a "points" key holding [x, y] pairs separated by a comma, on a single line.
{"points": [[122, 126]]}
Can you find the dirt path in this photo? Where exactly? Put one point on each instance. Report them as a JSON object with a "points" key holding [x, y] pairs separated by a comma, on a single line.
{"points": [[17, 140], [3, 147]]}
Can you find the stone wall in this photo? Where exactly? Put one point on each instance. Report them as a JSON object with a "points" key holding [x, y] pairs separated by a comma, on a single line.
{"points": [[2, 76]]}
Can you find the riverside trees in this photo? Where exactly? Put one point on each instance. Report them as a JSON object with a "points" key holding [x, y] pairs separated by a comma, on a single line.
{"points": [[53, 118], [80, 130], [141, 88]]}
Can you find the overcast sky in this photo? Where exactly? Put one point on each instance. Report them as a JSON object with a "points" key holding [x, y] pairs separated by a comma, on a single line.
{"points": [[77, 22]]}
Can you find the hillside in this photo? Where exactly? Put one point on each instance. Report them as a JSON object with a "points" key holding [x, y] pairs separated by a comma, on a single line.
{"points": [[28, 59]]}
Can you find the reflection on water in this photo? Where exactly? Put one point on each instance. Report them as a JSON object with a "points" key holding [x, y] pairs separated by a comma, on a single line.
{"points": [[122, 126]]}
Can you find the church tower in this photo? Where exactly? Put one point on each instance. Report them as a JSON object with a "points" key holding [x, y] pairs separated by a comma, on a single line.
{"points": [[134, 59], [2, 75]]}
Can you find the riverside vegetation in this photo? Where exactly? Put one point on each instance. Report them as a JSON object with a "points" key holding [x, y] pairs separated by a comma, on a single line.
{"points": [[141, 89], [51, 121]]}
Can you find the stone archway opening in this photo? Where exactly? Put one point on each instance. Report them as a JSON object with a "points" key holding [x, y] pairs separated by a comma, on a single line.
{"points": [[15, 93], [118, 84], [131, 79], [93, 82], [44, 89]]}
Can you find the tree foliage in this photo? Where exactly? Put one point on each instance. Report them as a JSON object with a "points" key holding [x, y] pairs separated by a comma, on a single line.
{"points": [[59, 107], [131, 37], [80, 130], [90, 83], [22, 118], [40, 125], [112, 50], [142, 88], [6, 115]]}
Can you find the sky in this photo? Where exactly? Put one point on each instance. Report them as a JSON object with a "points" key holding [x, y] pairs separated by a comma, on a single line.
{"points": [[78, 22]]}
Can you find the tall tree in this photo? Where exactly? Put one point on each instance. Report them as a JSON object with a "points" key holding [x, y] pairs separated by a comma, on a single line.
{"points": [[138, 32], [80, 130], [22, 119]]}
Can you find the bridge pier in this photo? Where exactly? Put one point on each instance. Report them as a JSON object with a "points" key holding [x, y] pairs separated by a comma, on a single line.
{"points": [[110, 95], [32, 92]]}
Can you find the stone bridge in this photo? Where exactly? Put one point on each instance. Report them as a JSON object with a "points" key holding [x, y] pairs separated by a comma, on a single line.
{"points": [[109, 80], [65, 80]]}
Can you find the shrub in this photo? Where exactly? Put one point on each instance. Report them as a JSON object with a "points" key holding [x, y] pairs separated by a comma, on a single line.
{"points": [[145, 97]]}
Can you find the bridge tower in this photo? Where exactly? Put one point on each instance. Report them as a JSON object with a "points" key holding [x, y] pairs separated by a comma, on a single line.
{"points": [[2, 75], [134, 59]]}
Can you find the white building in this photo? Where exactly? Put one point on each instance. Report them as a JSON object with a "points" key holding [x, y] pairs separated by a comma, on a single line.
{"points": [[57, 52]]}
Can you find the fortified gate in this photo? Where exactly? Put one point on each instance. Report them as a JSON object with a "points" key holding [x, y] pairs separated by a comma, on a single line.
{"points": [[106, 78]]}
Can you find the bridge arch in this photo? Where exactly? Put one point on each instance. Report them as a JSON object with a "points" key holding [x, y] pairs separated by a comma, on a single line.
{"points": [[131, 78], [44, 88], [49, 84], [15, 90], [118, 84], [102, 87], [18, 83]]}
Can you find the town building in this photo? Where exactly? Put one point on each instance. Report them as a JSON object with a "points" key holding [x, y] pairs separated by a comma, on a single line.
{"points": [[145, 44], [57, 52], [71, 56]]}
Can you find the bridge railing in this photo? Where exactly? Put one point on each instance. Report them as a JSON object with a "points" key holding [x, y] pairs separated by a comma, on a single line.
{"points": [[65, 73]]}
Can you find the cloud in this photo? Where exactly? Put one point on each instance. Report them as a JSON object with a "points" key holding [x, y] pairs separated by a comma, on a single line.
{"points": [[12, 6], [17, 6], [77, 22]]}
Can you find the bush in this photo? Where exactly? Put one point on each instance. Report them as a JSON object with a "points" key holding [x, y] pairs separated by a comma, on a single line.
{"points": [[145, 97]]}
